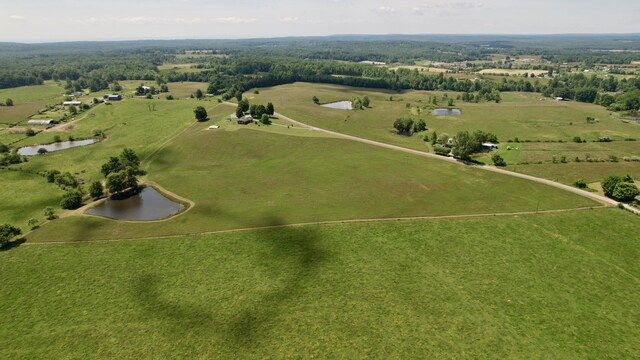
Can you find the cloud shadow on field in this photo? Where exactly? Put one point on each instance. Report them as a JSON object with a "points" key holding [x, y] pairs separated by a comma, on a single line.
{"points": [[288, 255], [295, 256]]}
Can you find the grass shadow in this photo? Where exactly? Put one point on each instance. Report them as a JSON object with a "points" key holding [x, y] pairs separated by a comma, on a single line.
{"points": [[13, 244]]}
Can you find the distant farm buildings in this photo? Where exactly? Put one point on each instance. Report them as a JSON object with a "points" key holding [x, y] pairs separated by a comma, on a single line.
{"points": [[45, 122], [490, 146], [113, 97], [245, 120]]}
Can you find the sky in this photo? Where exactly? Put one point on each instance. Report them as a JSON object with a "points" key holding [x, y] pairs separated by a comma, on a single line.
{"points": [[64, 20]]}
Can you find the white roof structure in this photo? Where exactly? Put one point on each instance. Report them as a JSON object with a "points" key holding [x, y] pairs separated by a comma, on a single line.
{"points": [[490, 145], [74, 103], [41, 122], [214, 127]]}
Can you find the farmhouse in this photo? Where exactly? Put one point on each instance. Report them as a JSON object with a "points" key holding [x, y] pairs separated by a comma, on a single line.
{"points": [[46, 122], [113, 97], [245, 120], [72, 103]]}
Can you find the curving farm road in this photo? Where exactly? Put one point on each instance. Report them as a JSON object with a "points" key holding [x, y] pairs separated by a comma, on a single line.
{"points": [[604, 200]]}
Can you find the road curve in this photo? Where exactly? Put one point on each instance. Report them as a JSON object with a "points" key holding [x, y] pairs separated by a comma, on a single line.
{"points": [[602, 199]]}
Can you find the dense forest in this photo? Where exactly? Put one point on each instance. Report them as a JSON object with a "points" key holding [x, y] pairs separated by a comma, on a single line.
{"points": [[247, 64]]}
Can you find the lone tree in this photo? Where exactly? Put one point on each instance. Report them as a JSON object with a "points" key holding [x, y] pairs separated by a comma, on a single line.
{"points": [[270, 109], [71, 199], [9, 102], [465, 145], [498, 160], [8, 232], [96, 190], [365, 101], [199, 94], [403, 126], [315, 100], [201, 113]]}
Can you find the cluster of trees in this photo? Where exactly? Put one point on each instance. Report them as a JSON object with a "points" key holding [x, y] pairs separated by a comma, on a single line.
{"points": [[611, 92], [261, 112], [8, 232], [360, 103], [621, 188], [121, 172], [72, 198], [407, 126], [7, 157], [466, 144]]}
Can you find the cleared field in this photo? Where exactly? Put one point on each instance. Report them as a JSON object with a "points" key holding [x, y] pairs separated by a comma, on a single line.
{"points": [[25, 196], [28, 100], [570, 172], [127, 123], [553, 285], [247, 176], [512, 72]]}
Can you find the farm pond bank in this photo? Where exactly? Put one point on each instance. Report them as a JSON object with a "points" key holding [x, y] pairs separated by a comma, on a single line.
{"points": [[446, 112], [340, 105], [63, 145], [145, 205]]}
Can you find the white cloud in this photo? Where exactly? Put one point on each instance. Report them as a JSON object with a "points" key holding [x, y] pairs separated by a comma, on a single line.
{"points": [[439, 6], [290, 19], [235, 20], [16, 17], [386, 10], [140, 20]]}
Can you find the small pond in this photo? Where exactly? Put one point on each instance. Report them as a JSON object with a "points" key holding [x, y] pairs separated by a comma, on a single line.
{"points": [[446, 112], [340, 105], [63, 145], [147, 204]]}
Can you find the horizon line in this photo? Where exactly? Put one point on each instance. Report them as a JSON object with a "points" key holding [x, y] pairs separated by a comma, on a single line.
{"points": [[55, 41]]}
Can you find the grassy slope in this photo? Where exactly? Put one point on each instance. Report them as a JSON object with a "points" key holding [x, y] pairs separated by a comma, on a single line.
{"points": [[25, 196], [246, 176], [127, 123], [545, 286]]}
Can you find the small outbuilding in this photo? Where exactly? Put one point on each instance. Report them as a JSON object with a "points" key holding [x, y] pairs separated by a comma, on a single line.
{"points": [[245, 120], [72, 103], [45, 122], [489, 146], [113, 97], [212, 127]]}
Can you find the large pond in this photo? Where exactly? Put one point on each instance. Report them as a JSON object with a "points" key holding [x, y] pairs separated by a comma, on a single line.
{"points": [[340, 105], [63, 145], [446, 112], [147, 204]]}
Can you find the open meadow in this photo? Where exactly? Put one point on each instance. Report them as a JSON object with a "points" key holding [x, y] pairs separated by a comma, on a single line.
{"points": [[239, 177], [550, 285]]}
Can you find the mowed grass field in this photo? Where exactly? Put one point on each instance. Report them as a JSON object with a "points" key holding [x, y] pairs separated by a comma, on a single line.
{"points": [[25, 196], [28, 100], [245, 177], [179, 90], [539, 286], [526, 116]]}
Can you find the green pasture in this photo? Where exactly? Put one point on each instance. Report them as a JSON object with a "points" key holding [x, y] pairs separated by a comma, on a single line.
{"points": [[526, 116], [28, 100], [243, 177], [538, 286], [570, 172], [25, 196]]}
